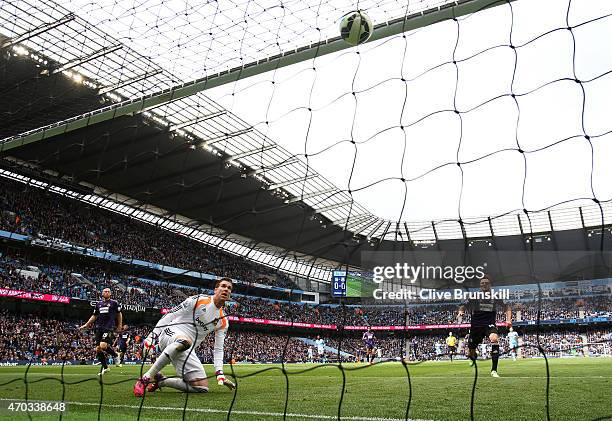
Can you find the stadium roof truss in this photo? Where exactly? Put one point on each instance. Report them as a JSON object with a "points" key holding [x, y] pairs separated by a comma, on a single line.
{"points": [[130, 84]]}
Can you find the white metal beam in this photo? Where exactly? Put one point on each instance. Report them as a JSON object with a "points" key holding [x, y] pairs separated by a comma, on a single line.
{"points": [[307, 52]]}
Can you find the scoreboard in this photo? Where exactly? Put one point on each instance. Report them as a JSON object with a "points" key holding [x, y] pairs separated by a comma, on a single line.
{"points": [[352, 284], [338, 283]]}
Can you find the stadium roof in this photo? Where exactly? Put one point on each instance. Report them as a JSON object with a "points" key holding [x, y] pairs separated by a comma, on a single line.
{"points": [[192, 156]]}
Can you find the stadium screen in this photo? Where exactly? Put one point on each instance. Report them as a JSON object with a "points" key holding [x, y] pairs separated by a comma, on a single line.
{"points": [[352, 284]]}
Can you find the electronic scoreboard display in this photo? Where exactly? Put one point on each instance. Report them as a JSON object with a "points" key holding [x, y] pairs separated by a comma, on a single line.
{"points": [[352, 284], [339, 283]]}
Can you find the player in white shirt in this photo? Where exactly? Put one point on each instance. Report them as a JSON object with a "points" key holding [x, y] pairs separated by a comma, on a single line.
{"points": [[320, 343], [438, 347], [483, 350], [178, 334], [310, 355], [513, 343]]}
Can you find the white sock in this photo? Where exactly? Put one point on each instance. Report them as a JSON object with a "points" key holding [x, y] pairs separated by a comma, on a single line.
{"points": [[180, 384], [164, 359]]}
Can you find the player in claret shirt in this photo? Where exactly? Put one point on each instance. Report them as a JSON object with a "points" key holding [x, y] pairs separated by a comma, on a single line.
{"points": [[483, 323], [179, 333], [122, 342], [107, 318], [369, 341]]}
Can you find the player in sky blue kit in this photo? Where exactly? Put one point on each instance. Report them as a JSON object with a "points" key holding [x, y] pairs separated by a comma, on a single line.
{"points": [[483, 323], [369, 341], [320, 344], [438, 348], [107, 318], [513, 343]]}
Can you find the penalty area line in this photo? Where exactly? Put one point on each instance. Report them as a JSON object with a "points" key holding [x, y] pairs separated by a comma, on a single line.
{"points": [[237, 412]]}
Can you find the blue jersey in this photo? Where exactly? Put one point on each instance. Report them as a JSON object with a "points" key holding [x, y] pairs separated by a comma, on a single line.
{"points": [[106, 314], [513, 338]]}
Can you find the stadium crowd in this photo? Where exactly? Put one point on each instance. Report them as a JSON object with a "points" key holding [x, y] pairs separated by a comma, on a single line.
{"points": [[88, 282], [44, 339], [31, 211], [433, 347], [41, 340]]}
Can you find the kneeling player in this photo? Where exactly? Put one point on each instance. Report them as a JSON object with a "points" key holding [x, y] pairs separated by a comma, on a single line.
{"points": [[178, 335], [483, 324]]}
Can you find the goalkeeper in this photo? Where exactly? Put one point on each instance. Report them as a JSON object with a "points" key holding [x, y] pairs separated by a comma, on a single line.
{"points": [[178, 334]]}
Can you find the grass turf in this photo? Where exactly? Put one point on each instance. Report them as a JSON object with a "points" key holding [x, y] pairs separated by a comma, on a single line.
{"points": [[580, 389]]}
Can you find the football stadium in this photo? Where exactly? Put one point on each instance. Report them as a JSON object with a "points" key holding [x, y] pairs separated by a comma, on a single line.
{"points": [[375, 210]]}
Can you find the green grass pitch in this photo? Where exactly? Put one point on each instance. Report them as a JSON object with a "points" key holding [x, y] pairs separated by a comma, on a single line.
{"points": [[580, 389], [353, 289]]}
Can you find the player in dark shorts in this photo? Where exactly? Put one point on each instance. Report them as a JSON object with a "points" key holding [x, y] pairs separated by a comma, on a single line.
{"points": [[451, 343], [107, 318], [122, 342], [483, 323], [369, 341]]}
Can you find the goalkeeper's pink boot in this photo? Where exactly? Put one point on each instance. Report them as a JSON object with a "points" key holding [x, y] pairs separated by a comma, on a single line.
{"points": [[140, 386]]}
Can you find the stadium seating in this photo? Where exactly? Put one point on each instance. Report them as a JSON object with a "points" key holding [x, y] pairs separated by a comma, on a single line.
{"points": [[32, 211], [41, 339], [61, 281]]}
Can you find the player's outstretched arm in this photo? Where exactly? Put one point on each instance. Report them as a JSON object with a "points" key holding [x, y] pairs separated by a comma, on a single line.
{"points": [[89, 323], [509, 315], [218, 359], [119, 319]]}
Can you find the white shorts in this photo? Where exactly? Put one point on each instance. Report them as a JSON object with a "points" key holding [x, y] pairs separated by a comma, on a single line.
{"points": [[186, 364]]}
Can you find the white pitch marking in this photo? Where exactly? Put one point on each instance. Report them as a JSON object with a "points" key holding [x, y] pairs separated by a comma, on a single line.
{"points": [[223, 411]]}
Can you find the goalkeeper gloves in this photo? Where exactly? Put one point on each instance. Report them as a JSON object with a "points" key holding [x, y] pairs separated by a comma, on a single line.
{"points": [[222, 381]]}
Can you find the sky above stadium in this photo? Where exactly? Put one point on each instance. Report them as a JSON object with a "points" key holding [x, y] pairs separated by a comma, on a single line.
{"points": [[494, 177], [547, 121]]}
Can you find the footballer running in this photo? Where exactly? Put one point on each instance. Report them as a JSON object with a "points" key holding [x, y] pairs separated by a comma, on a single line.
{"points": [[107, 318], [513, 343]]}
